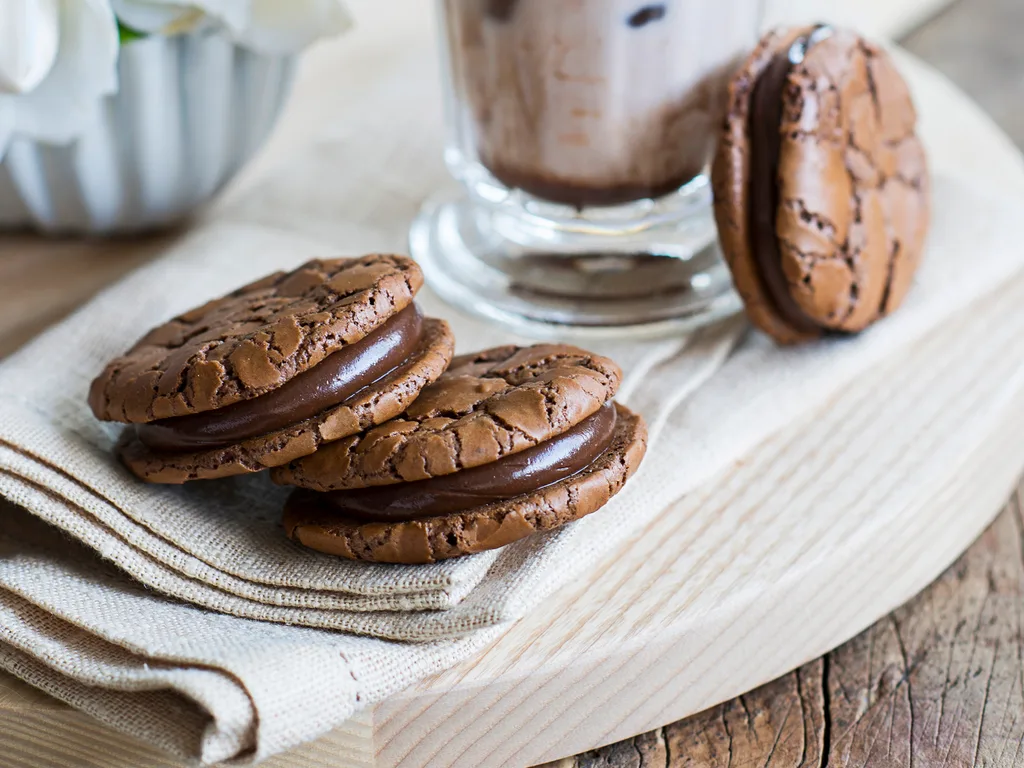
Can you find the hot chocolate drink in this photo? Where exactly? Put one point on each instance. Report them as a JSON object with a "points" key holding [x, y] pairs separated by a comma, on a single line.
{"points": [[565, 119], [593, 102]]}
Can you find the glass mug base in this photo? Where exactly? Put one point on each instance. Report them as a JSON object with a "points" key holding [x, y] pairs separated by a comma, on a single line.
{"points": [[548, 271], [636, 213]]}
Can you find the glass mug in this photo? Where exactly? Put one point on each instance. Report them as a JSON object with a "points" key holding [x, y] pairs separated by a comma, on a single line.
{"points": [[580, 131]]}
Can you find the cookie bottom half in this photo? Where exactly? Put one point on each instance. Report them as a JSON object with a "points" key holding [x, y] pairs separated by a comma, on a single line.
{"points": [[318, 525]]}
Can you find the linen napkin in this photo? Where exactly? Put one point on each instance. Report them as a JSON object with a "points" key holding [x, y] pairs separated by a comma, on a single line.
{"points": [[220, 544]]}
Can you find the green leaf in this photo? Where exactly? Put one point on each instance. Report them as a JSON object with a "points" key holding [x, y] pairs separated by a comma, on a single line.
{"points": [[127, 34]]}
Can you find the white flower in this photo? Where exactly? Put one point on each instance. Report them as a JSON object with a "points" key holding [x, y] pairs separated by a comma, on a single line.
{"points": [[28, 43], [171, 17], [58, 60], [265, 26]]}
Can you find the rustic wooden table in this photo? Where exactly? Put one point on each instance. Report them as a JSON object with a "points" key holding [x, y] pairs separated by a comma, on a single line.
{"points": [[941, 680]]}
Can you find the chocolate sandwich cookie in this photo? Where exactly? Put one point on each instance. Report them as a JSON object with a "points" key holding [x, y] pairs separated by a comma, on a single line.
{"points": [[274, 370], [510, 441], [821, 184]]}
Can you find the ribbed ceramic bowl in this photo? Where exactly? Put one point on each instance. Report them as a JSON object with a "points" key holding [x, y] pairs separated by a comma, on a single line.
{"points": [[191, 110]]}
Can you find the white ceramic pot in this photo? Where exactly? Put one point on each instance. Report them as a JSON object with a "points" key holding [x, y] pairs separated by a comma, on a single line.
{"points": [[190, 111]]}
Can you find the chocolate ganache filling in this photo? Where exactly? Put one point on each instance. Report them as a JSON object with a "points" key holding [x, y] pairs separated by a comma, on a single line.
{"points": [[766, 104], [560, 457], [335, 379]]}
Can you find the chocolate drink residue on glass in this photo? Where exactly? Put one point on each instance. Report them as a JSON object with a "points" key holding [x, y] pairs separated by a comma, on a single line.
{"points": [[595, 102]]}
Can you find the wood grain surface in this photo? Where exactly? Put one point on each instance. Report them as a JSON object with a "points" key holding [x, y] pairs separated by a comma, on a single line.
{"points": [[828, 525], [978, 45], [43, 280], [938, 682], [941, 680]]}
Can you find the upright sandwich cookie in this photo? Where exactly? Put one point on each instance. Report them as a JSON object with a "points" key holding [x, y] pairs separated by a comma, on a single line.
{"points": [[509, 442], [274, 370], [821, 184]]}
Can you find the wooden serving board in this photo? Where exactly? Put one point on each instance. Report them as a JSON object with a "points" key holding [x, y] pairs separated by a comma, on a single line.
{"points": [[888, 18], [818, 533], [811, 538]]}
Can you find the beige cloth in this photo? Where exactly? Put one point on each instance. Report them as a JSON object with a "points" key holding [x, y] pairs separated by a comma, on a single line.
{"points": [[208, 684], [220, 544]]}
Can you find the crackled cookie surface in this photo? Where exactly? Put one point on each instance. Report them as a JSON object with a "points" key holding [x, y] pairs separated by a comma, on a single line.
{"points": [[821, 184], [274, 370], [488, 405], [254, 339]]}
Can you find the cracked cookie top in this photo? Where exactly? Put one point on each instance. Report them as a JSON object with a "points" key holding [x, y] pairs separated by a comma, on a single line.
{"points": [[850, 206], [487, 405], [254, 339]]}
